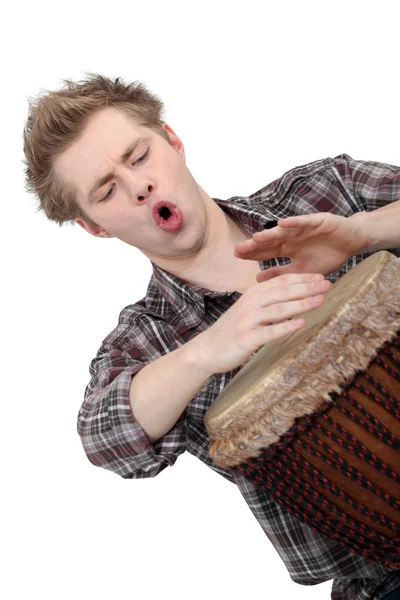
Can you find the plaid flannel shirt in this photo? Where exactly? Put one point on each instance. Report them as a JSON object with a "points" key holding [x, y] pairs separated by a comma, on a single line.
{"points": [[173, 312]]}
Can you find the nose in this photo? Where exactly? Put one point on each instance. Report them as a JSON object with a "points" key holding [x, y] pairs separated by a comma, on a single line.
{"points": [[140, 187], [148, 189]]}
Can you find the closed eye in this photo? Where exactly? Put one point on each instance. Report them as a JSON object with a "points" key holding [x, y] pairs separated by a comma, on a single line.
{"points": [[107, 196], [142, 158]]}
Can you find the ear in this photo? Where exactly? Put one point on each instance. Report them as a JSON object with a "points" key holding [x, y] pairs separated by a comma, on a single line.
{"points": [[176, 142], [95, 230]]}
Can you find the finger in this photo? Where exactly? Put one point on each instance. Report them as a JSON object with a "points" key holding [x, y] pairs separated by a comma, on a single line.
{"points": [[291, 228], [276, 313], [275, 234], [263, 335], [288, 279], [263, 297], [246, 246], [270, 236], [282, 293], [313, 220], [258, 253]]}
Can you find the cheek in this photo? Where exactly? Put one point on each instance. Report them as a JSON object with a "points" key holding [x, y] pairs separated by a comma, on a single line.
{"points": [[167, 169], [177, 176]]}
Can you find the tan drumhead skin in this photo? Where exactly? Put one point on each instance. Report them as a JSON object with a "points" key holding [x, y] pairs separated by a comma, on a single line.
{"points": [[360, 312]]}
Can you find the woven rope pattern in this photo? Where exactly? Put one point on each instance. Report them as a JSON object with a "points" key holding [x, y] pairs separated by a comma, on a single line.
{"points": [[300, 486]]}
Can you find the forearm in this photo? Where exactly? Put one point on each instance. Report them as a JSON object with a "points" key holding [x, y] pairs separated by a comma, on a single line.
{"points": [[160, 392], [381, 227]]}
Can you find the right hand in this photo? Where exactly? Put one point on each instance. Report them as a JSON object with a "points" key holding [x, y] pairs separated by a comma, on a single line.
{"points": [[259, 316]]}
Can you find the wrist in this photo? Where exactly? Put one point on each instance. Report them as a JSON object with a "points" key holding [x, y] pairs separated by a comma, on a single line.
{"points": [[366, 240], [198, 354]]}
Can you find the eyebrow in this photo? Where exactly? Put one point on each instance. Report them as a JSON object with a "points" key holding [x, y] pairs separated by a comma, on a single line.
{"points": [[100, 181]]}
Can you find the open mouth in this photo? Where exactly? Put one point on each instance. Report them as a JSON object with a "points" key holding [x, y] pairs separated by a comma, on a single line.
{"points": [[165, 213], [167, 216]]}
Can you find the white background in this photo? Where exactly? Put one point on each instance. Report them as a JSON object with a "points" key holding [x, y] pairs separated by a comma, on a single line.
{"points": [[253, 89]]}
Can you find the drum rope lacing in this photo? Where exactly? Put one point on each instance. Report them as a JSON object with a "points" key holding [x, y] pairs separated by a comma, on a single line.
{"points": [[281, 468]]}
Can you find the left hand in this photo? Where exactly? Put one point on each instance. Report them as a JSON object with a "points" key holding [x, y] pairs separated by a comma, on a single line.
{"points": [[316, 243]]}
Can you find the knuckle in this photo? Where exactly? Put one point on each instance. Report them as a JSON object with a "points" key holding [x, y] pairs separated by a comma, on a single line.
{"points": [[317, 285], [289, 279], [306, 303], [284, 279], [306, 289], [280, 310]]}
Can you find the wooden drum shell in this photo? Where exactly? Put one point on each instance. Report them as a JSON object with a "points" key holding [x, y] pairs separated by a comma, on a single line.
{"points": [[314, 419]]}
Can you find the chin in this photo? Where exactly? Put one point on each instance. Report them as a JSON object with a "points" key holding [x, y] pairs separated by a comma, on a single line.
{"points": [[195, 242]]}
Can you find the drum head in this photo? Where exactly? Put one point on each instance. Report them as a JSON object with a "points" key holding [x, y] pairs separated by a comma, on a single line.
{"points": [[363, 301]]}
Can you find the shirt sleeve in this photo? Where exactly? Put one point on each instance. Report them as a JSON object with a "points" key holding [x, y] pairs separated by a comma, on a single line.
{"points": [[110, 436], [372, 184]]}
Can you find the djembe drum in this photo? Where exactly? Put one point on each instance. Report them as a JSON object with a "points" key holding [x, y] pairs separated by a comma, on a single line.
{"points": [[313, 419]]}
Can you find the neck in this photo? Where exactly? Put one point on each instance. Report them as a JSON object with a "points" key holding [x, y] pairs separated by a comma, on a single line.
{"points": [[214, 266]]}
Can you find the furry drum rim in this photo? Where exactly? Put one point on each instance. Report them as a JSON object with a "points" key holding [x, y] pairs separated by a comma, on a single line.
{"points": [[313, 419]]}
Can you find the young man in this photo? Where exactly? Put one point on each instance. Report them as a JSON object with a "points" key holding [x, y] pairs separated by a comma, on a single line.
{"points": [[98, 154]]}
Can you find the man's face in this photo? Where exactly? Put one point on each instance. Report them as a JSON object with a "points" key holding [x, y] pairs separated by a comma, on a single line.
{"points": [[123, 207]]}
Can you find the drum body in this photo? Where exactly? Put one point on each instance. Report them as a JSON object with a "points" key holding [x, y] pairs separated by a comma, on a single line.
{"points": [[314, 420]]}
